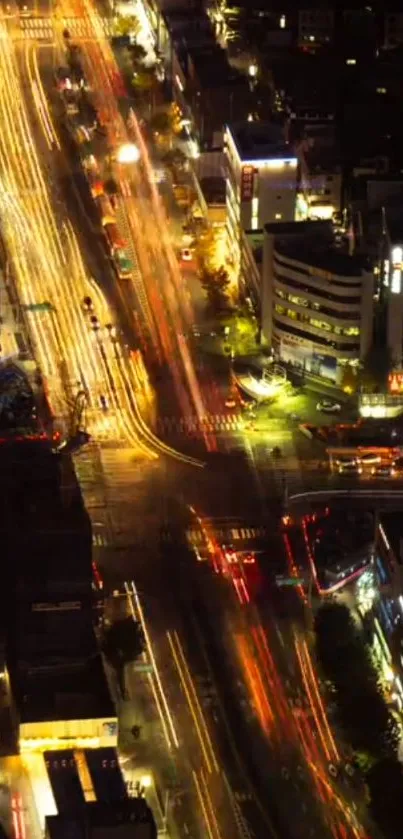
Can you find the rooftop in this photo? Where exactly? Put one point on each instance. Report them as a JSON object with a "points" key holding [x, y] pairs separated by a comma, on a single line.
{"points": [[211, 66], [312, 243], [132, 818], [260, 140], [213, 188], [70, 693]]}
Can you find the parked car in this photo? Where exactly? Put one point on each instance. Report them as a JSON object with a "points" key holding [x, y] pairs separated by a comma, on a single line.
{"points": [[350, 469], [328, 406], [370, 458], [383, 470]]}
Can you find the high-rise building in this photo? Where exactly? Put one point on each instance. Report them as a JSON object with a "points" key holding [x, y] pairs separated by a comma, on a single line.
{"points": [[261, 177]]}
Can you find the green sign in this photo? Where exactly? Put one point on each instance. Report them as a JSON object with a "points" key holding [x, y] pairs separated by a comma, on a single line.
{"points": [[39, 307], [141, 667], [289, 581]]}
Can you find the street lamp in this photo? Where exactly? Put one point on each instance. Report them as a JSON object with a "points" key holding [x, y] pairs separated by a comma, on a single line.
{"points": [[128, 153]]}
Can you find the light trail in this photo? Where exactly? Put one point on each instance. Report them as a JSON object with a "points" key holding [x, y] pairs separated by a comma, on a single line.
{"points": [[202, 805], [303, 650], [193, 702], [132, 591], [152, 245]]}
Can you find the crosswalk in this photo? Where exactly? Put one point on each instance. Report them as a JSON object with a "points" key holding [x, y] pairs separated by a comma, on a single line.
{"points": [[197, 536], [212, 423], [42, 28]]}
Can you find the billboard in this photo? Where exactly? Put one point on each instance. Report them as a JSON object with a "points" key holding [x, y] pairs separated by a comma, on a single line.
{"points": [[247, 183]]}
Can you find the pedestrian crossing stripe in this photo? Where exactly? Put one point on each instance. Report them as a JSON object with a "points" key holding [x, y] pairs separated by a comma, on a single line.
{"points": [[198, 537], [42, 28], [211, 422]]}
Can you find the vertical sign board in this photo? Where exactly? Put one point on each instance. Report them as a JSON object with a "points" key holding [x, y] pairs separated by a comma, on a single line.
{"points": [[247, 183]]}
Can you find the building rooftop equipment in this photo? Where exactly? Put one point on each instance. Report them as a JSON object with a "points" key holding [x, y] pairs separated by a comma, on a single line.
{"points": [[256, 141]]}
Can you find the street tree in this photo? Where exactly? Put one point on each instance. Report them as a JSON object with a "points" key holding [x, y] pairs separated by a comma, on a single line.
{"points": [[175, 159], [144, 80], [216, 285], [347, 665], [127, 25], [385, 785], [377, 365], [162, 122], [122, 642], [137, 54], [111, 186]]}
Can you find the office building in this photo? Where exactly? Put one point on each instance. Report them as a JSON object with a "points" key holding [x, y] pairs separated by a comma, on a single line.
{"points": [[261, 171], [317, 302], [131, 819], [315, 27]]}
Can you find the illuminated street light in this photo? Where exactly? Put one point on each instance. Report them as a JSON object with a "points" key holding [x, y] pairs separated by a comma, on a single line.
{"points": [[146, 781], [128, 153], [253, 70]]}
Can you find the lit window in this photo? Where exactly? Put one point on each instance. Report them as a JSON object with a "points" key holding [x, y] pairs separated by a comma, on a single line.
{"points": [[282, 22], [381, 90], [278, 216], [396, 281], [351, 61]]}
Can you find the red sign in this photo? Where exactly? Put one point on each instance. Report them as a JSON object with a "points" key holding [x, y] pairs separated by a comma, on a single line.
{"points": [[247, 183], [396, 382]]}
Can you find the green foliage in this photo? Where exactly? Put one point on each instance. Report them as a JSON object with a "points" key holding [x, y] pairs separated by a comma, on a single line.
{"points": [[175, 159], [111, 186], [376, 367], [162, 122], [144, 79], [137, 54], [216, 285], [122, 642], [385, 784], [127, 25], [346, 663]]}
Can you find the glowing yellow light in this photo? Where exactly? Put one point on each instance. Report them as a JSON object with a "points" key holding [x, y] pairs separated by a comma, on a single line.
{"points": [[128, 153], [146, 781]]}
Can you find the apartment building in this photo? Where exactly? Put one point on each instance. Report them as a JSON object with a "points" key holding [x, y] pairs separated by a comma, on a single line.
{"points": [[317, 302]]}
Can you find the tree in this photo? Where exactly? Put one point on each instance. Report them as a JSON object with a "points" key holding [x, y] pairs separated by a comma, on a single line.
{"points": [[122, 642], [162, 122], [175, 159], [127, 25], [349, 380], [376, 367], [137, 54], [346, 663], [143, 80], [111, 186], [216, 285], [385, 784]]}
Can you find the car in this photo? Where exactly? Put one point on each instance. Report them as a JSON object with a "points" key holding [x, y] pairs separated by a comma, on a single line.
{"points": [[186, 255], [229, 553], [88, 304], [328, 406], [369, 458], [383, 470], [350, 469], [347, 461]]}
